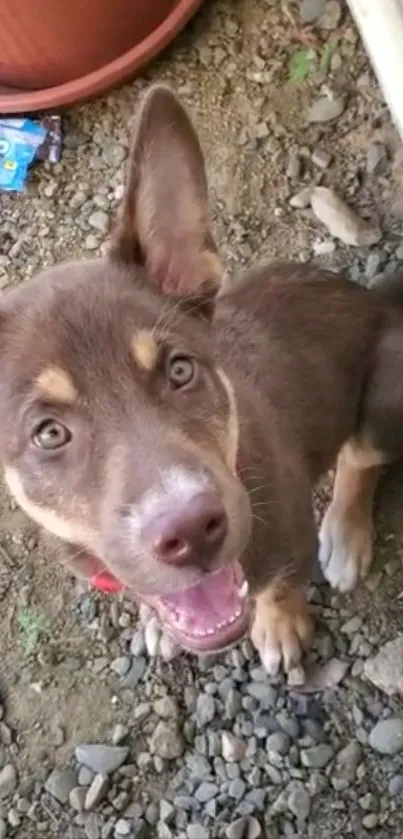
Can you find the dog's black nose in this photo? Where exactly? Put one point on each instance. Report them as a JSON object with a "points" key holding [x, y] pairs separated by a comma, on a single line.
{"points": [[190, 535]]}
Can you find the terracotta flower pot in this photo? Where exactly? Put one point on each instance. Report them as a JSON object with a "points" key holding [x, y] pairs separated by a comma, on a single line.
{"points": [[56, 53]]}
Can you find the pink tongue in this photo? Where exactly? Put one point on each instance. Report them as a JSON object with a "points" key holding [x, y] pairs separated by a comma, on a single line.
{"points": [[213, 600]]}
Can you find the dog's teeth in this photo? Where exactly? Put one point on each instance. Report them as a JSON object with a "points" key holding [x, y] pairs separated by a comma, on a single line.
{"points": [[243, 591]]}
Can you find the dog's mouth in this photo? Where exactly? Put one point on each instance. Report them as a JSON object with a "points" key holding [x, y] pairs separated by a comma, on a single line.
{"points": [[210, 615], [206, 617]]}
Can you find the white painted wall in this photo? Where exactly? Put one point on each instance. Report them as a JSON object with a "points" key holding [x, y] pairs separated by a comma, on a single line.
{"points": [[380, 23]]}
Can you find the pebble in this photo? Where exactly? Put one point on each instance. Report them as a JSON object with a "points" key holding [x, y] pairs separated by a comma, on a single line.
{"points": [[348, 760], [237, 828], [330, 17], [77, 798], [152, 635], [293, 170], [3, 829], [102, 759], [279, 743], [321, 158], [377, 159], [395, 786], [386, 737], [386, 669], [317, 757], [197, 831], [311, 10], [121, 665], [302, 199], [205, 710], [205, 792], [136, 672], [298, 800], [8, 780], [99, 220], [326, 109], [97, 791], [120, 732], [341, 221], [167, 740], [123, 828], [166, 708], [60, 784], [138, 644], [85, 776], [232, 748]]}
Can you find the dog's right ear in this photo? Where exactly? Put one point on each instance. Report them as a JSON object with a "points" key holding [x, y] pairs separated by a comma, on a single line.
{"points": [[164, 221]]}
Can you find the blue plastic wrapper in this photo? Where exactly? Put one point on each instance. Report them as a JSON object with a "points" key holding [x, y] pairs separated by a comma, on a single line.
{"points": [[21, 142]]}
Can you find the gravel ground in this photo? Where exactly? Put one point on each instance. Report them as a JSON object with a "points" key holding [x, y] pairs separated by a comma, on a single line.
{"points": [[104, 731]]}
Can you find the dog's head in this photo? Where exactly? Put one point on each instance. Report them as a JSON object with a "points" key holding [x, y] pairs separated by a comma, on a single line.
{"points": [[118, 429]]}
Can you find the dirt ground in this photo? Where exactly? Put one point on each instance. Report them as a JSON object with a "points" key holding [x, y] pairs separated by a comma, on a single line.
{"points": [[232, 68]]}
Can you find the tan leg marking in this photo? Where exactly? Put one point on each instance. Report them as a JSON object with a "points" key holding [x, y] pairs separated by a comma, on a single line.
{"points": [[282, 628], [346, 534]]}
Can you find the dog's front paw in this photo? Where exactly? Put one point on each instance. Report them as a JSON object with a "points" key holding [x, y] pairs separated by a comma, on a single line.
{"points": [[345, 547], [282, 629]]}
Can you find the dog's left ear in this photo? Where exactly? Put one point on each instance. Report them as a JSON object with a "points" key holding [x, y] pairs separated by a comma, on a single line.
{"points": [[164, 222]]}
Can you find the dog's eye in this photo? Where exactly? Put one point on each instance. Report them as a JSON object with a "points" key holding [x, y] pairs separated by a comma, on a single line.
{"points": [[181, 371], [51, 435]]}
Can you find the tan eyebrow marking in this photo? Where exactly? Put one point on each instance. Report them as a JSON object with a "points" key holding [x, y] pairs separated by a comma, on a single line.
{"points": [[55, 383], [145, 349]]}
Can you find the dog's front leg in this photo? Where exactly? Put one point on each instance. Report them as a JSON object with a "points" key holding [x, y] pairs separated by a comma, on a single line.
{"points": [[282, 628]]}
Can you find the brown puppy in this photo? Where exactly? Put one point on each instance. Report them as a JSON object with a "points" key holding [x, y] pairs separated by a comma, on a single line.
{"points": [[171, 433]]}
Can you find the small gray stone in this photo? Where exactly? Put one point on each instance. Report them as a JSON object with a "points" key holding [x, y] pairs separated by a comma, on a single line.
{"points": [[279, 743], [3, 829], [99, 220], [330, 18], [302, 199], [293, 170], [121, 665], [136, 672], [138, 644], [123, 828], [205, 710], [341, 221], [395, 786], [120, 732], [166, 708], [197, 831], [377, 159], [325, 109], [348, 760], [311, 10], [236, 830], [60, 783], [102, 759], [206, 791], [167, 811], [298, 800], [386, 669], [233, 749], [8, 780], [167, 740], [317, 757], [233, 703], [77, 798], [237, 789], [254, 830], [321, 158], [387, 736], [85, 776], [97, 791]]}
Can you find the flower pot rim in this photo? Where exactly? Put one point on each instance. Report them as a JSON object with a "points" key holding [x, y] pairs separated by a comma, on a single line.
{"points": [[17, 101]]}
